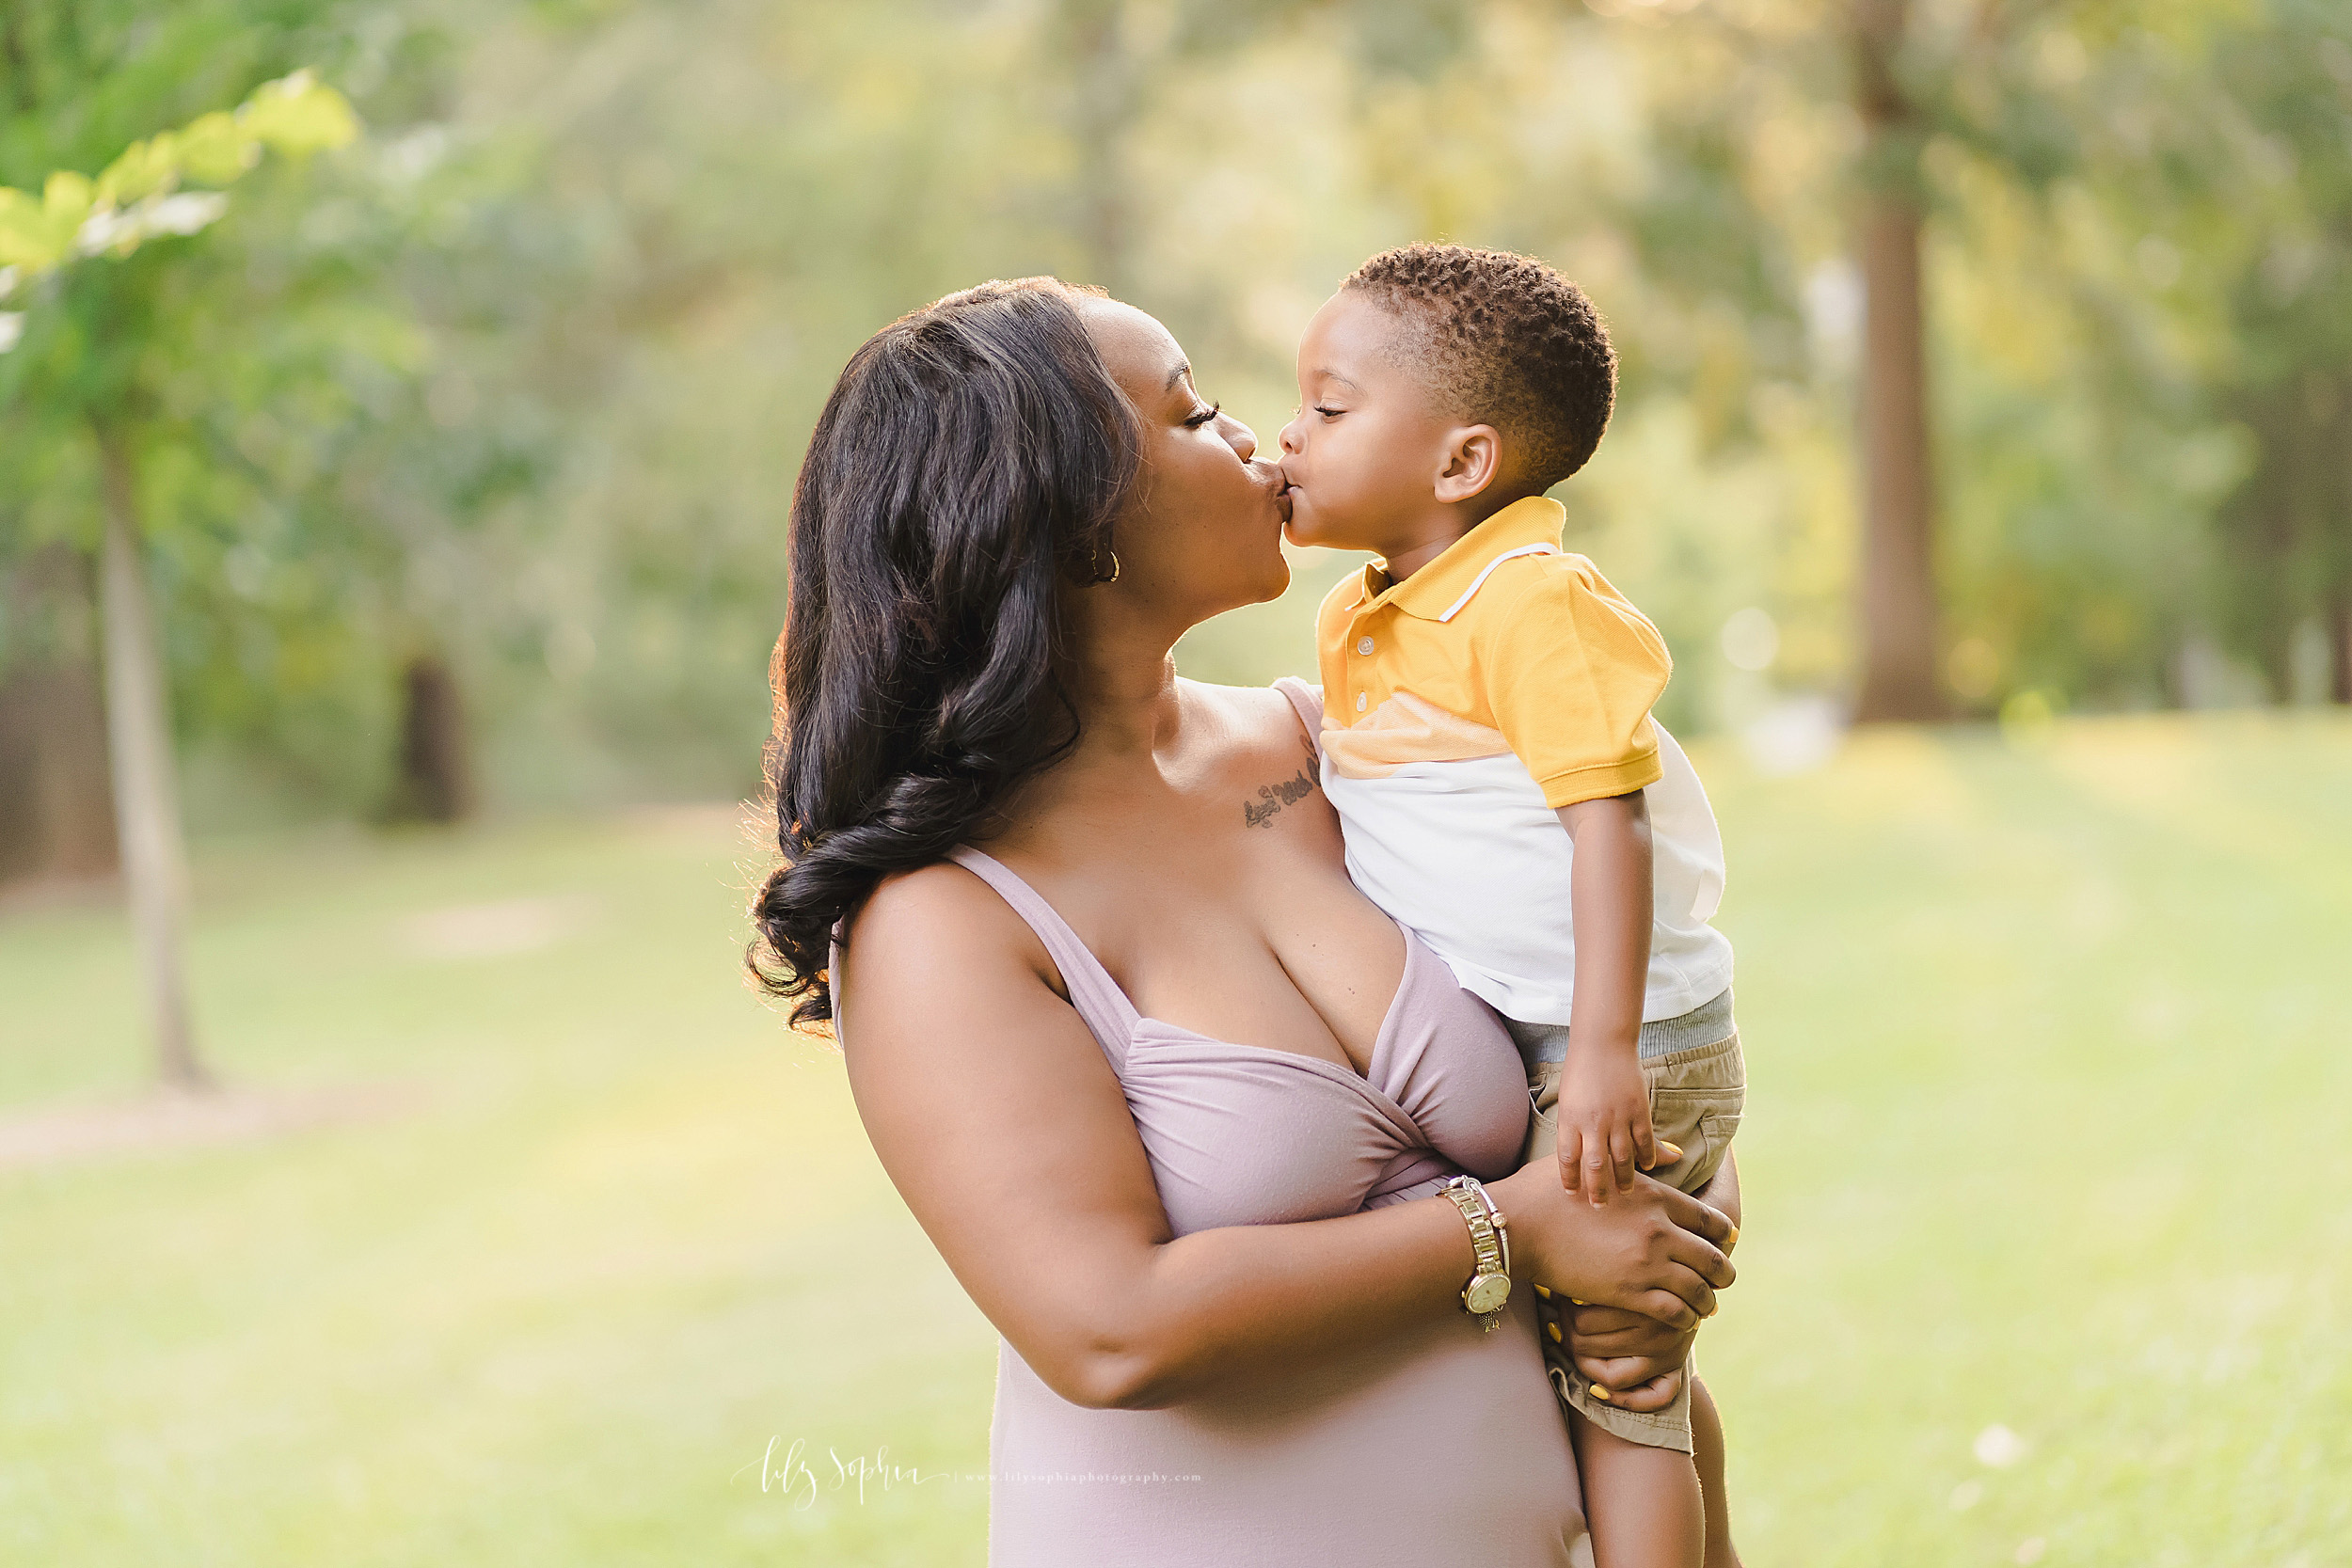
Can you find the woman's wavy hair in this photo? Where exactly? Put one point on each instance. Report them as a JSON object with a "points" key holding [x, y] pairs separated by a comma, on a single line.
{"points": [[970, 460]]}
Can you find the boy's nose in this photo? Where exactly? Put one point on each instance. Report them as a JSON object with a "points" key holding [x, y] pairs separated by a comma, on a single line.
{"points": [[1286, 439]]}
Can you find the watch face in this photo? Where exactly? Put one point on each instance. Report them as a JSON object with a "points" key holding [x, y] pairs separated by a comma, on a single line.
{"points": [[1488, 1291]]}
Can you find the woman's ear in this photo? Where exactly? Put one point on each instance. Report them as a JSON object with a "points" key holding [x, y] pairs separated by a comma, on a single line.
{"points": [[1473, 456]]}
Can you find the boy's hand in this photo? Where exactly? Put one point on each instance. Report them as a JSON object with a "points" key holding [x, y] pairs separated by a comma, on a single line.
{"points": [[1604, 1126]]}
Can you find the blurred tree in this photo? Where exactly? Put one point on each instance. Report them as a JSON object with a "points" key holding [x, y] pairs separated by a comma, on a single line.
{"points": [[85, 357], [518, 391], [1105, 66], [1897, 578], [434, 782], [2287, 74], [2171, 281], [55, 820]]}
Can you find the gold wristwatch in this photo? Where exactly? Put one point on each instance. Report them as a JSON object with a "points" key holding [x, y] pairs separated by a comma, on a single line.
{"points": [[1489, 1284]]}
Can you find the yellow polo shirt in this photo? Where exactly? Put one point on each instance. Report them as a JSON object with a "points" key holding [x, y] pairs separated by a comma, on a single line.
{"points": [[1462, 707], [1504, 643]]}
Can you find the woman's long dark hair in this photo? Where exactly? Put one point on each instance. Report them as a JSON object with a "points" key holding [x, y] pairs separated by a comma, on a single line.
{"points": [[969, 461]]}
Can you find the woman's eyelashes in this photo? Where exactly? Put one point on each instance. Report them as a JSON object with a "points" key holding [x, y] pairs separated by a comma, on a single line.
{"points": [[1204, 416]]}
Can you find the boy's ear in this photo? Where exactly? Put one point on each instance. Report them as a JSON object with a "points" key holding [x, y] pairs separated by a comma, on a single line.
{"points": [[1473, 456]]}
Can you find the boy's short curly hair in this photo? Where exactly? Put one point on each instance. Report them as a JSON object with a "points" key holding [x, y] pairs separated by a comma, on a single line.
{"points": [[1503, 339]]}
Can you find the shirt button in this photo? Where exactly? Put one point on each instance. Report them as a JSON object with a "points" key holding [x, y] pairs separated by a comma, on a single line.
{"points": [[1359, 702], [1364, 646]]}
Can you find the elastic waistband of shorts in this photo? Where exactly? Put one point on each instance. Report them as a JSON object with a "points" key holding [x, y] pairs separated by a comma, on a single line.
{"points": [[1707, 1023]]}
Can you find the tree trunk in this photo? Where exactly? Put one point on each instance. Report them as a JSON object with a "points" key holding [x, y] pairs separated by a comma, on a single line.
{"points": [[1899, 609], [147, 805], [435, 781], [1104, 83], [2339, 645], [55, 820], [2333, 526]]}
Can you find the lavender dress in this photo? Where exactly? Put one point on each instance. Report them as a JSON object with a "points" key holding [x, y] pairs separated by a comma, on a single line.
{"points": [[1439, 1445]]}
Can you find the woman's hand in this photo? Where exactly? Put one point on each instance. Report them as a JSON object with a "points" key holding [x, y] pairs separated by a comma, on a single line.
{"points": [[1653, 1251], [1639, 1359]]}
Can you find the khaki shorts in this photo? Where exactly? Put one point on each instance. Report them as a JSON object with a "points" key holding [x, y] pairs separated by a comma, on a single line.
{"points": [[1695, 1098]]}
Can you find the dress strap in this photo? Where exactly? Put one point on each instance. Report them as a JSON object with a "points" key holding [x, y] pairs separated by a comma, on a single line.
{"points": [[1308, 702], [1092, 992]]}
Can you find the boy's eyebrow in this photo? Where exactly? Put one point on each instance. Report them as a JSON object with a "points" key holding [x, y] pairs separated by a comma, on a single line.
{"points": [[1329, 374]]}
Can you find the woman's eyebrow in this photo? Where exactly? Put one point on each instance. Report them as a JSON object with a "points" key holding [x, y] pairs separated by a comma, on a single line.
{"points": [[1175, 375]]}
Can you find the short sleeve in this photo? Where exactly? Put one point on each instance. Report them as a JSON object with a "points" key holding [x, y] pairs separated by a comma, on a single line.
{"points": [[1570, 670], [1307, 702]]}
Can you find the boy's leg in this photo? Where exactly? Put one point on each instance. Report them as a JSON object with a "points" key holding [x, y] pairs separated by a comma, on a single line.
{"points": [[1707, 1437], [1642, 1504]]}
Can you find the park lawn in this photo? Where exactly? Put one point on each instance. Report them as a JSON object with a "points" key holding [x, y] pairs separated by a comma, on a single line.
{"points": [[2049, 1060]]}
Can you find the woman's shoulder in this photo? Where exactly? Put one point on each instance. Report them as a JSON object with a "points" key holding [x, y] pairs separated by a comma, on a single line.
{"points": [[940, 917], [1263, 718]]}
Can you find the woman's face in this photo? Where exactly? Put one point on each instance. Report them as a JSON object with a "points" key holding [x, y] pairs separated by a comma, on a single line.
{"points": [[1203, 531]]}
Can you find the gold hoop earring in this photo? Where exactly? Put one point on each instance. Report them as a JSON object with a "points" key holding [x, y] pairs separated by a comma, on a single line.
{"points": [[1114, 576]]}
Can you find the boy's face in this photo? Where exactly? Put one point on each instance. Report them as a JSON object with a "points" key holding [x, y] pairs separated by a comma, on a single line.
{"points": [[1363, 453]]}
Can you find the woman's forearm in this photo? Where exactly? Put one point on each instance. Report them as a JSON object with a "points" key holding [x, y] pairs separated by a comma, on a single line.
{"points": [[1237, 1302], [1223, 1306]]}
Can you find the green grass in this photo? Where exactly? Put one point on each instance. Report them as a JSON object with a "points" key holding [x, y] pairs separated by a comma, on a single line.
{"points": [[2049, 1070]]}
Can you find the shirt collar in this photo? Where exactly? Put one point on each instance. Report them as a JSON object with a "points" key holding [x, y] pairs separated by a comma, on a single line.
{"points": [[1429, 592]]}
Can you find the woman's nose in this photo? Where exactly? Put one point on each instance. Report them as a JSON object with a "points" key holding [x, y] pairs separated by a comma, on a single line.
{"points": [[1242, 440]]}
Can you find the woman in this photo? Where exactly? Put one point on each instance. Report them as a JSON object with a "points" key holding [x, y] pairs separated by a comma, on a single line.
{"points": [[1171, 1097]]}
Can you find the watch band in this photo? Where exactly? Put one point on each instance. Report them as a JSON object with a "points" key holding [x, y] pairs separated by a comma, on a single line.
{"points": [[1489, 1286]]}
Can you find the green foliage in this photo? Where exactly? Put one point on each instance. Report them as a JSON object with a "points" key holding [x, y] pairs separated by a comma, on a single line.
{"points": [[131, 201], [525, 374]]}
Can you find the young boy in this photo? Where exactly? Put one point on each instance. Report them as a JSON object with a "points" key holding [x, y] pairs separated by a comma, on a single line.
{"points": [[1502, 789]]}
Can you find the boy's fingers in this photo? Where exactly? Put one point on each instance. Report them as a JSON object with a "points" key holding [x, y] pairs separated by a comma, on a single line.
{"points": [[1657, 1393], [1571, 1154], [1646, 1156], [1613, 1371], [1621, 1157], [1596, 1174]]}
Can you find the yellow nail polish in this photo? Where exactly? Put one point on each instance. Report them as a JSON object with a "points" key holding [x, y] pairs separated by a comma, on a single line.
{"points": [[1735, 1236], [1575, 1302], [1541, 1291], [1553, 1329], [1599, 1393]]}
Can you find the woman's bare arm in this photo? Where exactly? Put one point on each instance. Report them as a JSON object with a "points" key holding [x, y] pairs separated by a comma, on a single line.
{"points": [[1007, 1136]]}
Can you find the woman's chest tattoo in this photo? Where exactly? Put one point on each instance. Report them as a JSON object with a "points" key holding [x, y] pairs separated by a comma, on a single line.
{"points": [[1274, 796]]}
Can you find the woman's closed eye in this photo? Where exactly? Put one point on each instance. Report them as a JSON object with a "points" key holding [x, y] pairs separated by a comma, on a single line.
{"points": [[1204, 416]]}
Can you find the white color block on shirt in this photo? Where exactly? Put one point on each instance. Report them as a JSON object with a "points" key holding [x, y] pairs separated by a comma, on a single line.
{"points": [[1466, 856]]}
